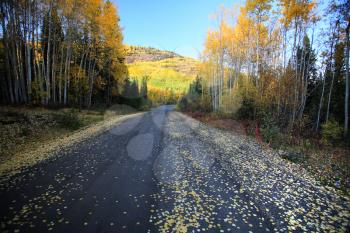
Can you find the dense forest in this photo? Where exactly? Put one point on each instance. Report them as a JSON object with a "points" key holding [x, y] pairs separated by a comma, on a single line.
{"points": [[283, 65], [61, 52]]}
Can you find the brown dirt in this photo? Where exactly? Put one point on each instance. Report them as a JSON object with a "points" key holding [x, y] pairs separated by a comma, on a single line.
{"points": [[221, 123]]}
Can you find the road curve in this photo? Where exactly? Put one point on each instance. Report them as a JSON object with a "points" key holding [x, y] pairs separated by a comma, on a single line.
{"points": [[165, 172]]}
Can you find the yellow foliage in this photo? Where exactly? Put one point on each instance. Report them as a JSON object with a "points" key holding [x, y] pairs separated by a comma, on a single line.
{"points": [[296, 10], [172, 73]]}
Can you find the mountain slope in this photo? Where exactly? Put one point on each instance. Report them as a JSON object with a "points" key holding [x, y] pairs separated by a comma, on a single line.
{"points": [[165, 70], [141, 53]]}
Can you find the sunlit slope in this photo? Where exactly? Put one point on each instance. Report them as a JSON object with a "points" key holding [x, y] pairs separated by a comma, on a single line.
{"points": [[172, 73], [165, 70]]}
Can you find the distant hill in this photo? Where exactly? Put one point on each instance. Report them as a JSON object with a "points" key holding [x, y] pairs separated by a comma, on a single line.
{"points": [[165, 70], [140, 53]]}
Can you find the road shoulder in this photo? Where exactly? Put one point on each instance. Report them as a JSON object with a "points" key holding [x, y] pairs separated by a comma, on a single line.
{"points": [[20, 161], [288, 194]]}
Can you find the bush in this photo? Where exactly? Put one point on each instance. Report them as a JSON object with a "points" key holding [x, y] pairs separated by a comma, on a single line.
{"points": [[194, 102], [146, 104], [133, 102], [303, 127], [246, 111], [270, 130], [183, 104], [271, 133], [69, 120], [100, 108], [331, 131], [231, 103], [205, 103]]}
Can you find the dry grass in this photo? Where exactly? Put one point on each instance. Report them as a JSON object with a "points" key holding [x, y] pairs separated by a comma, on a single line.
{"points": [[30, 135], [331, 165], [220, 122]]}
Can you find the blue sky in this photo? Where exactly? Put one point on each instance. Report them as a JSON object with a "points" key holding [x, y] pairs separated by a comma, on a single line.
{"points": [[175, 25]]}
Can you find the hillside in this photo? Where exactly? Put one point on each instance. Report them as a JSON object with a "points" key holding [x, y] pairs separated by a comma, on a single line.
{"points": [[140, 53], [165, 70]]}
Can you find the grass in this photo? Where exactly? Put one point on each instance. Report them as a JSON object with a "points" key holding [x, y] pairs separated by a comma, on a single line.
{"points": [[24, 128], [330, 164], [173, 73]]}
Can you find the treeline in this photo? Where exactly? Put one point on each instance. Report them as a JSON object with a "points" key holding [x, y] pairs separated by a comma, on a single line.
{"points": [[136, 93], [273, 65], [164, 95], [66, 52]]}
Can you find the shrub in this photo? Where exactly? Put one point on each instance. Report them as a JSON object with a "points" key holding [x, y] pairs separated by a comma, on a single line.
{"points": [[270, 130], [307, 145], [183, 104], [133, 102], [100, 108], [331, 131], [246, 111], [270, 133], [303, 127], [146, 104], [69, 119], [139, 103], [205, 103], [231, 103]]}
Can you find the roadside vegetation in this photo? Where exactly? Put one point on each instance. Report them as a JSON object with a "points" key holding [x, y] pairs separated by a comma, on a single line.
{"points": [[25, 128], [61, 69], [278, 84]]}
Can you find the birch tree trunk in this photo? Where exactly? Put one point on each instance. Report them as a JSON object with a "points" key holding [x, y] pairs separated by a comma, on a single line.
{"points": [[7, 56], [304, 97], [60, 77], [29, 70], [346, 102], [333, 73], [53, 69], [320, 105], [48, 60]]}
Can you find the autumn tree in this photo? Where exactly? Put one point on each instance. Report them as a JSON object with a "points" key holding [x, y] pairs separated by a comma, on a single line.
{"points": [[265, 62], [54, 48]]}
